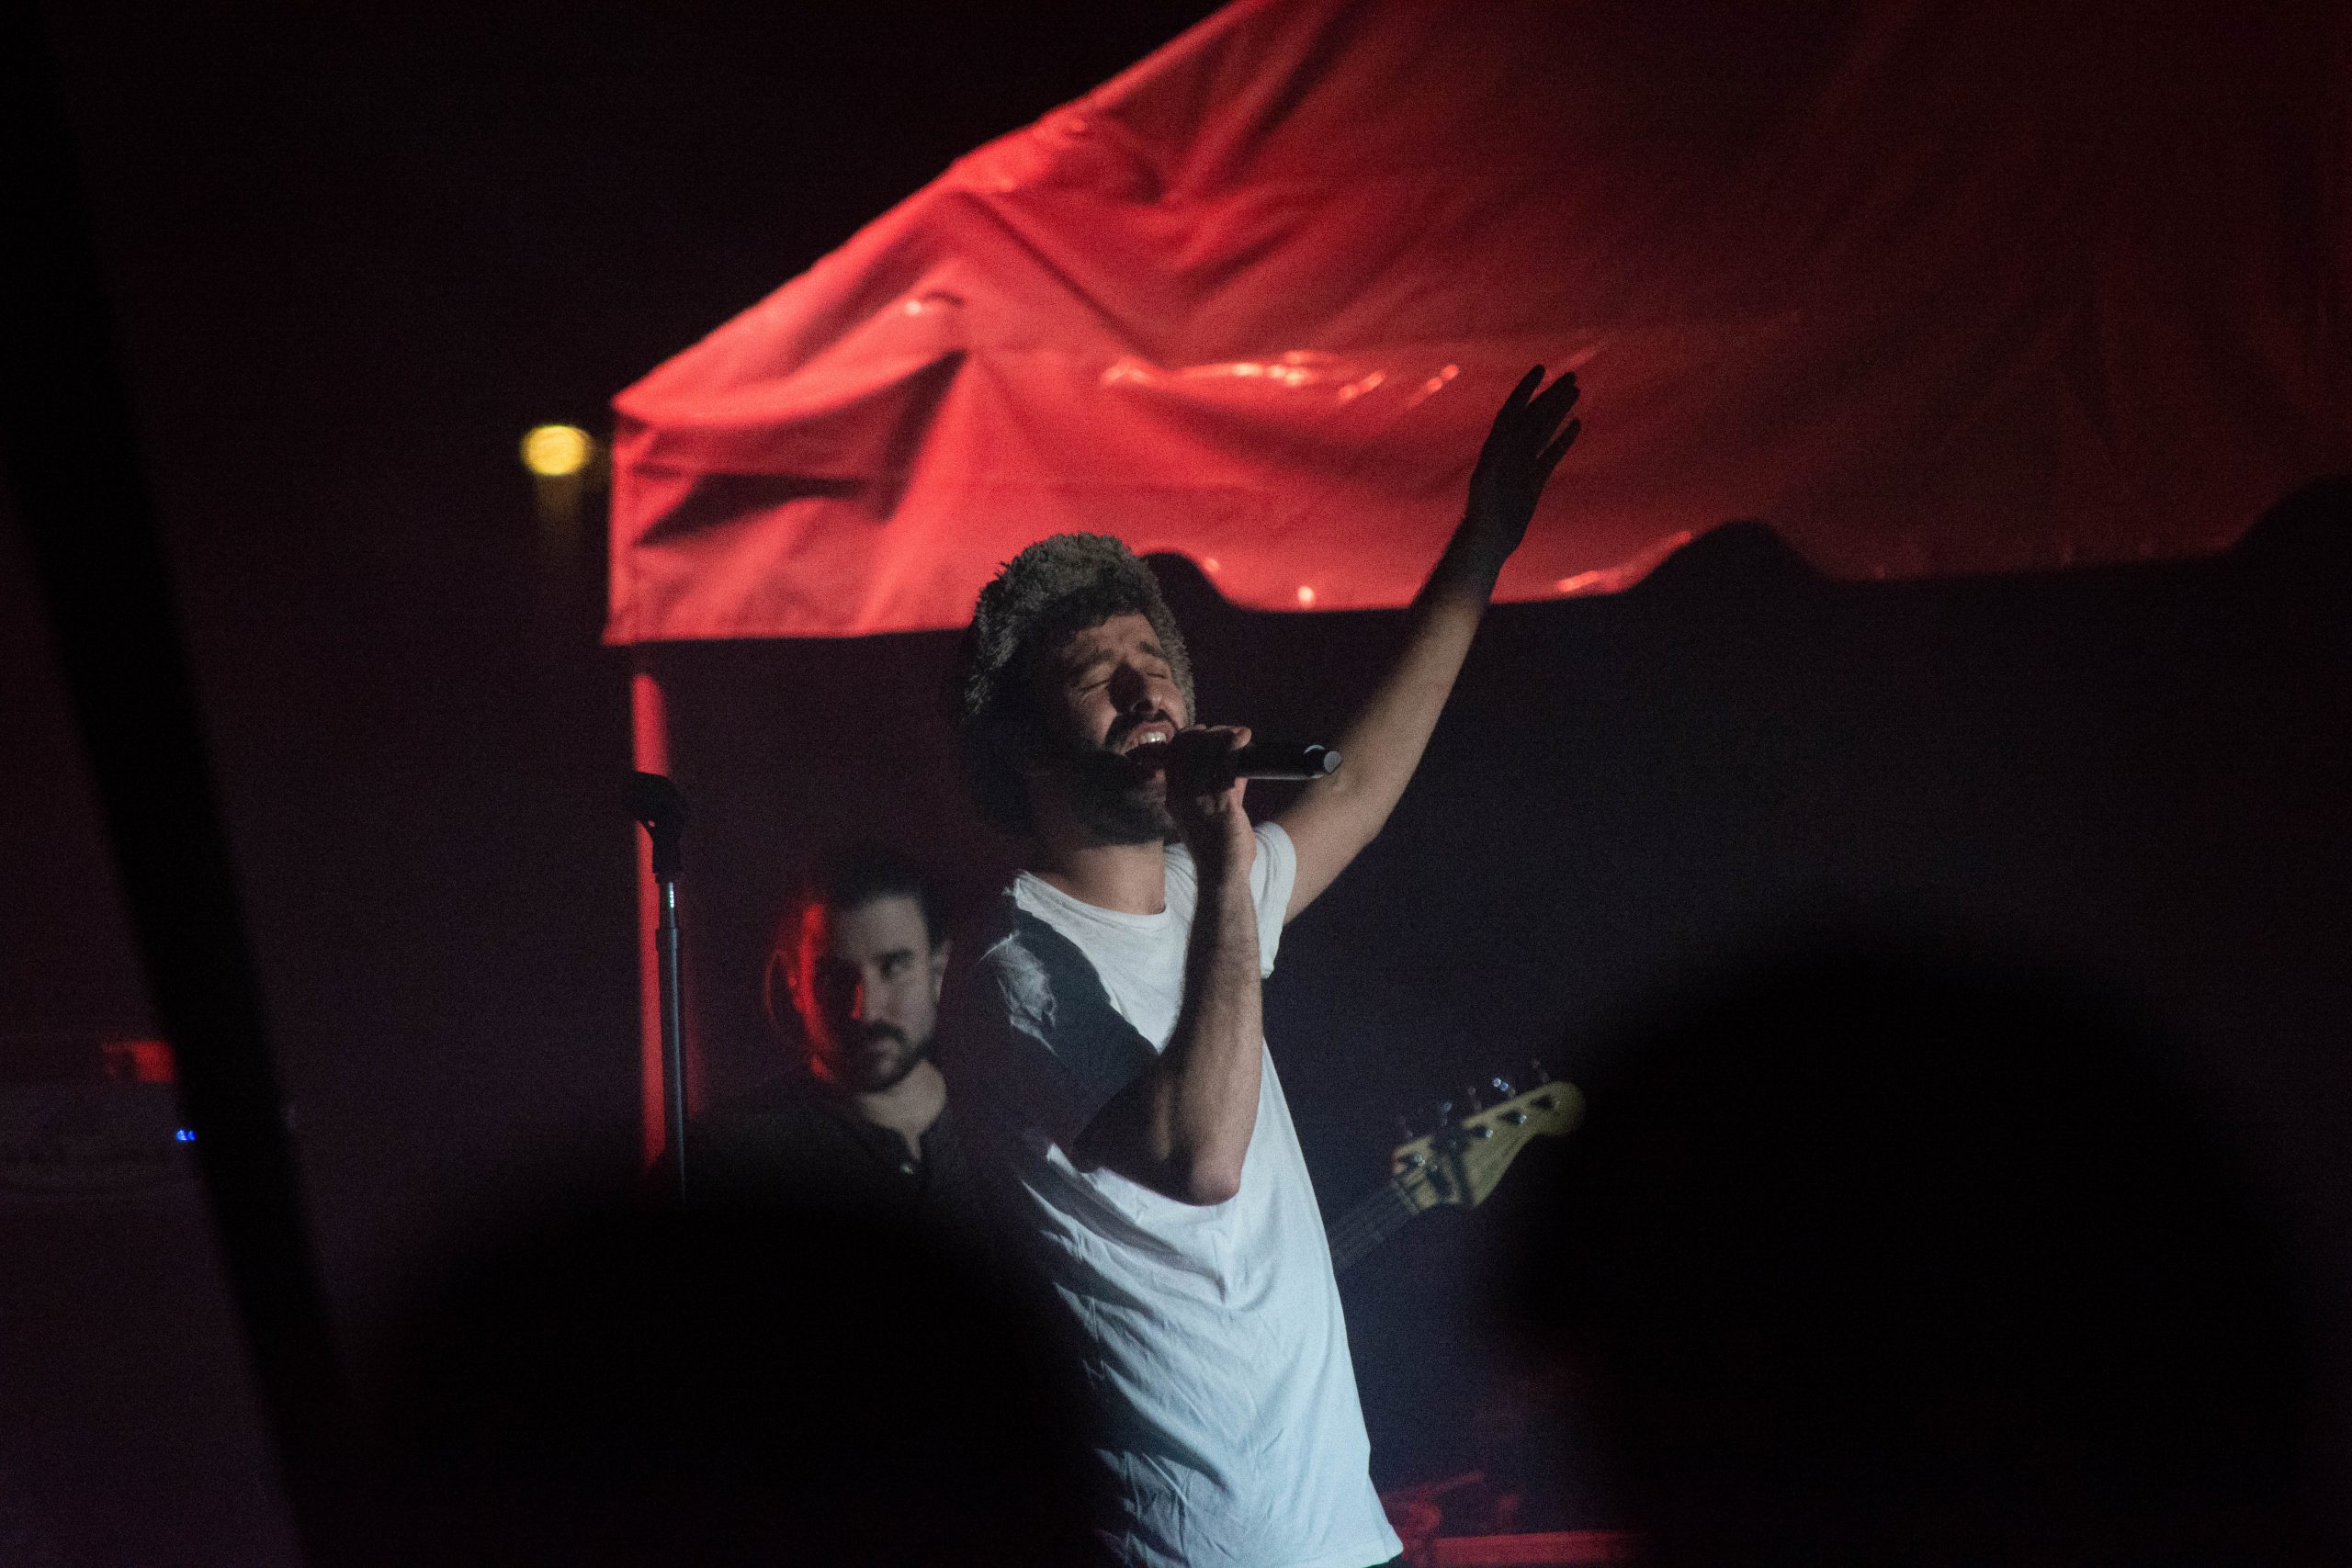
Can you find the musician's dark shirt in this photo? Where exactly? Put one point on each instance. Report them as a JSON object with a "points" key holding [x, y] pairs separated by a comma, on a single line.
{"points": [[805, 1145]]}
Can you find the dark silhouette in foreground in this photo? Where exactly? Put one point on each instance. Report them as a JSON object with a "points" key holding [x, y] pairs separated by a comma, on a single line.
{"points": [[781, 1385], [1870, 1258]]}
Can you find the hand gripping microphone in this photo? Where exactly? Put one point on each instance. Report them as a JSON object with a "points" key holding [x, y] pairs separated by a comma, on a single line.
{"points": [[1285, 759]]}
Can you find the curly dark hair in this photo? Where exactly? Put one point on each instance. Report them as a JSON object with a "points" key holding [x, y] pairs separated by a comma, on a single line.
{"points": [[1046, 594]]}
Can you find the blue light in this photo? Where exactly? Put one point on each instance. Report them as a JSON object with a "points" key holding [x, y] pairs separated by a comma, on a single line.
{"points": [[185, 1134]]}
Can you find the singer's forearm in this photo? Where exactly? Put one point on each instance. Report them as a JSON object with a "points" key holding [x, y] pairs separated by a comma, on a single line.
{"points": [[1182, 1128], [1334, 819]]}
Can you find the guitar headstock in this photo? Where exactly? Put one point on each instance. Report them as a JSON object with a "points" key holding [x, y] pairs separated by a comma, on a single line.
{"points": [[1463, 1161]]}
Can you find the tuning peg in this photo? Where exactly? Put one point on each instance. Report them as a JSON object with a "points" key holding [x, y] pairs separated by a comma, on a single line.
{"points": [[1502, 1087], [1444, 1114], [1405, 1128], [1472, 1096], [1537, 1074]]}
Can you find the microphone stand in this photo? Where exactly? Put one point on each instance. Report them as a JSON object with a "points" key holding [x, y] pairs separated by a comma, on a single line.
{"points": [[661, 810]]}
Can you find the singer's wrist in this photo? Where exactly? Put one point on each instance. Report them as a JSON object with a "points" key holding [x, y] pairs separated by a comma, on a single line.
{"points": [[1469, 568], [1222, 850]]}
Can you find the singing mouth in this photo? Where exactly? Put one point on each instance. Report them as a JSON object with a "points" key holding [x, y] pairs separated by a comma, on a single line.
{"points": [[1146, 744]]}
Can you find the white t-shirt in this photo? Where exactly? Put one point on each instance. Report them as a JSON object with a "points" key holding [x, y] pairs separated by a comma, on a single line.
{"points": [[1211, 1333]]}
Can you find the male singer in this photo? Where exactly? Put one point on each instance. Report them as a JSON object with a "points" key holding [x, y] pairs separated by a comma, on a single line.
{"points": [[1105, 1047]]}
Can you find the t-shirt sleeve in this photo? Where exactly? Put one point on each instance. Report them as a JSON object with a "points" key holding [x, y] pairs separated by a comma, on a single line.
{"points": [[1271, 876], [1038, 1032]]}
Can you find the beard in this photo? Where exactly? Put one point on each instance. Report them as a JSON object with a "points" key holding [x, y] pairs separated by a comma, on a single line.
{"points": [[1114, 801], [864, 1072]]}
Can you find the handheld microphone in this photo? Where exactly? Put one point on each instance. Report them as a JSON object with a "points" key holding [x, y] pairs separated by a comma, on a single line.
{"points": [[1285, 759]]}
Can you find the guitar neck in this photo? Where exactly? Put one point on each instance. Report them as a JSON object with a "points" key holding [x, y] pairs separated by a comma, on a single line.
{"points": [[1458, 1164], [1381, 1215]]}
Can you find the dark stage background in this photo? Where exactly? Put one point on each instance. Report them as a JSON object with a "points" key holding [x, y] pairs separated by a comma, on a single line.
{"points": [[354, 258]]}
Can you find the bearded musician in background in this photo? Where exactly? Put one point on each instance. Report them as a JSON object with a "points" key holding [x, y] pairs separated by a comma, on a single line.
{"points": [[852, 983]]}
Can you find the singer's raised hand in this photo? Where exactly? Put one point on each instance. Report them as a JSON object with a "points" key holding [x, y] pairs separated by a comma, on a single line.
{"points": [[1525, 445], [1333, 819]]}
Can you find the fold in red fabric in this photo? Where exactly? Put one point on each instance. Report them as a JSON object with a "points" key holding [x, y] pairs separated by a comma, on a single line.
{"points": [[1930, 288]]}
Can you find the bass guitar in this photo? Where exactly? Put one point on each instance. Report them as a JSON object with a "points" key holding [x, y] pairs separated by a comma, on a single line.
{"points": [[1459, 1164]]}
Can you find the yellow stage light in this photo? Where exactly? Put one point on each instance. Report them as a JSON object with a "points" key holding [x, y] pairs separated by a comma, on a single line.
{"points": [[553, 451]]}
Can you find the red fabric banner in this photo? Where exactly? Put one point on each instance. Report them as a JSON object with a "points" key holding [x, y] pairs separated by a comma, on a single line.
{"points": [[1931, 287]]}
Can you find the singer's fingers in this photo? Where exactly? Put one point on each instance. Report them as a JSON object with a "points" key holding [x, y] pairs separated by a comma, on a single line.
{"points": [[1202, 759], [1515, 407], [1555, 399], [1551, 456], [1212, 740]]}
